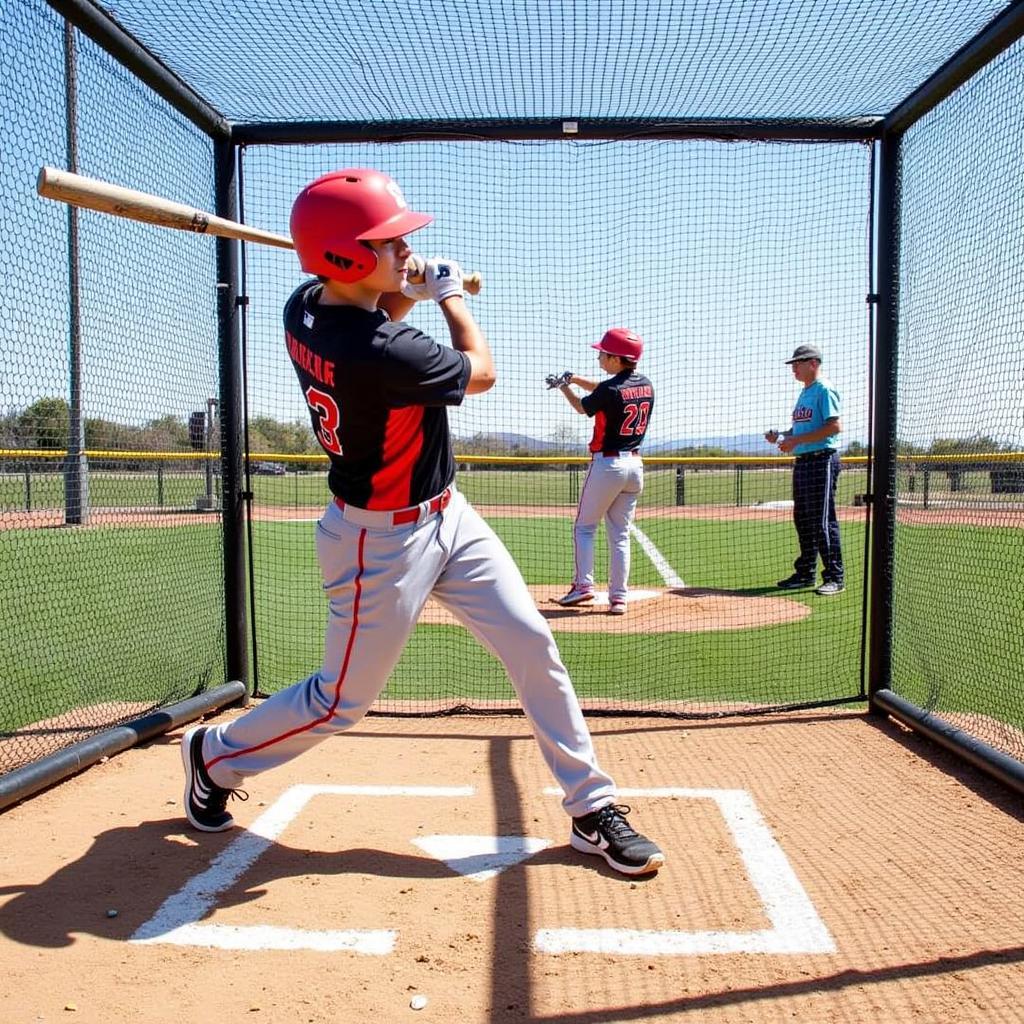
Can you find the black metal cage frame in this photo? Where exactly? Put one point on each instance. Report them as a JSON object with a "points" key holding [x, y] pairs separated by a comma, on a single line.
{"points": [[885, 132]]}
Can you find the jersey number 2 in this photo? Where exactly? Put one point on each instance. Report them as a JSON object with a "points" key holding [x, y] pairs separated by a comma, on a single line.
{"points": [[326, 409], [635, 419]]}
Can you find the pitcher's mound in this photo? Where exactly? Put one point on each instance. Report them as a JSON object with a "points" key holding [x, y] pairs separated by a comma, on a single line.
{"points": [[686, 610]]}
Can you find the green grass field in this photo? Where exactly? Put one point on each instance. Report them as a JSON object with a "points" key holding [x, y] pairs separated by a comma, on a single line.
{"points": [[107, 615], [178, 487], [134, 613]]}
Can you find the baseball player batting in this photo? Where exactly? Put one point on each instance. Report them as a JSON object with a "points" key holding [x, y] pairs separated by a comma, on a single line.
{"points": [[396, 529], [621, 407]]}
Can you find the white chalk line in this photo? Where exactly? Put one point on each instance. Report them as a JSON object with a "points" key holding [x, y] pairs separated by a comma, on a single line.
{"points": [[178, 919], [667, 573], [795, 924]]}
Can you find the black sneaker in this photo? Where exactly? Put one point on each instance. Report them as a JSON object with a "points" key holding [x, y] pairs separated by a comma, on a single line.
{"points": [[607, 833], [205, 801], [795, 583]]}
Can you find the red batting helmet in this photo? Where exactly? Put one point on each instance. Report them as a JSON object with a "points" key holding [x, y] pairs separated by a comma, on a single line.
{"points": [[621, 341], [334, 215]]}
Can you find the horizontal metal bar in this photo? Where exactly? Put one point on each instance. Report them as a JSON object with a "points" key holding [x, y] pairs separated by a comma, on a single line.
{"points": [[47, 771], [99, 26], [1006, 769], [1001, 33], [518, 129]]}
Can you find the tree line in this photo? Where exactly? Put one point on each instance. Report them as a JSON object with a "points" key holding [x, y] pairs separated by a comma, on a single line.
{"points": [[44, 425]]}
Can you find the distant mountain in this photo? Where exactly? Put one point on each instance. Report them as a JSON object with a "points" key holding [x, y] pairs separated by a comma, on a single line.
{"points": [[747, 444], [743, 444], [501, 441]]}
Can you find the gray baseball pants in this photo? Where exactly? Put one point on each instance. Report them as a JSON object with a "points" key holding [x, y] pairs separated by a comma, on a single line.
{"points": [[377, 578]]}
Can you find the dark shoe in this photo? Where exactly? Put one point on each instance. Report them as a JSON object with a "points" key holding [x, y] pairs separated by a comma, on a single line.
{"points": [[574, 597], [830, 588], [795, 583], [205, 801], [607, 833]]}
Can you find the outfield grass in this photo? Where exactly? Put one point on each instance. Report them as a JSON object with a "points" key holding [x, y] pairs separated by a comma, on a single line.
{"points": [[107, 615], [556, 485], [959, 618], [815, 659], [135, 614]]}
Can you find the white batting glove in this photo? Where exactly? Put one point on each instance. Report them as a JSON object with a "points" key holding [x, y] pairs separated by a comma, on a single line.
{"points": [[443, 278]]}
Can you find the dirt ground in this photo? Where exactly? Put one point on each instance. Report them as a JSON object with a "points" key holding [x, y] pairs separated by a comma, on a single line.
{"points": [[653, 610], [820, 868]]}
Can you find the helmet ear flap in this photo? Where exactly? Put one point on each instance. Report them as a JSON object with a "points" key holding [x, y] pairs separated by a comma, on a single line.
{"points": [[351, 262]]}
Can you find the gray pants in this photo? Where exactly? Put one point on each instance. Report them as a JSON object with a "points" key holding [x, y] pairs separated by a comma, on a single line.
{"points": [[378, 578], [610, 491]]}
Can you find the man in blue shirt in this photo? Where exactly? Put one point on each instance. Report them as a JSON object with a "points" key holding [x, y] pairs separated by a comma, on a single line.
{"points": [[814, 441]]}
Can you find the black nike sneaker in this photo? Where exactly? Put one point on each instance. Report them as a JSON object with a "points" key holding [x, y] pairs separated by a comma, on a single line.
{"points": [[205, 801], [607, 833], [795, 583]]}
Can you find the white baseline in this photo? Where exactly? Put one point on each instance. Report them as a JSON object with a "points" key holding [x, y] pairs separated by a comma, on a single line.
{"points": [[667, 573], [795, 924], [178, 921]]}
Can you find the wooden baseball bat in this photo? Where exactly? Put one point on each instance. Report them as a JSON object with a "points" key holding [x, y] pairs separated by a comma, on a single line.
{"points": [[93, 194]]}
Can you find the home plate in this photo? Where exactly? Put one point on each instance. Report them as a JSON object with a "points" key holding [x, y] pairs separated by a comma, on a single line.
{"points": [[481, 857]]}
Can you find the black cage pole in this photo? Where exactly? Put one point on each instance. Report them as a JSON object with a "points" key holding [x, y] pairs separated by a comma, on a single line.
{"points": [[883, 483], [1001, 33], [76, 470], [229, 315], [96, 23]]}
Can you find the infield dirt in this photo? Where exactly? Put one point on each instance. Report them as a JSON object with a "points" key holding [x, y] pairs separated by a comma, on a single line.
{"points": [[910, 860]]}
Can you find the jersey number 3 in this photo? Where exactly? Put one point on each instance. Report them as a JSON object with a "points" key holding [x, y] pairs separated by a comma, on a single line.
{"points": [[326, 409], [634, 420]]}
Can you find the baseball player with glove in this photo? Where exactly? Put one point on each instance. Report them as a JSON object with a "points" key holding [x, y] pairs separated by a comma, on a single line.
{"points": [[396, 529], [621, 407]]}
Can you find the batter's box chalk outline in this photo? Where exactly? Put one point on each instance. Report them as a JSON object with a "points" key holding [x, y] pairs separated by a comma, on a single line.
{"points": [[179, 922], [795, 924]]}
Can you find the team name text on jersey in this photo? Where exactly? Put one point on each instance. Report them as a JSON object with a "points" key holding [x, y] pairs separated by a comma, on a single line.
{"points": [[313, 364]]}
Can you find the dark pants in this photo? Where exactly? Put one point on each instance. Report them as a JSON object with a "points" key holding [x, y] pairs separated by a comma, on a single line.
{"points": [[814, 513]]}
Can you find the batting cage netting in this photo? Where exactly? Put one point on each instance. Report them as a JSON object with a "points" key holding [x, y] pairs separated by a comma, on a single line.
{"points": [[959, 605], [112, 596], [723, 257], [716, 180]]}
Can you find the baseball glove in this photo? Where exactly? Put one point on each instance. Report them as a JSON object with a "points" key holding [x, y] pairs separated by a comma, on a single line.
{"points": [[554, 380]]}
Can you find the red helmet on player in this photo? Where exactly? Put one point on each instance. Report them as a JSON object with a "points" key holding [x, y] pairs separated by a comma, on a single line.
{"points": [[334, 215], [621, 341]]}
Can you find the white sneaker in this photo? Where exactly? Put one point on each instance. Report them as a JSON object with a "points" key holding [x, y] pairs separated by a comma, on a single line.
{"points": [[617, 608], [575, 596]]}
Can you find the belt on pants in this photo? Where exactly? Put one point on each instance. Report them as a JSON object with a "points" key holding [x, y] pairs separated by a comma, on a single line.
{"points": [[395, 516], [614, 455], [820, 454]]}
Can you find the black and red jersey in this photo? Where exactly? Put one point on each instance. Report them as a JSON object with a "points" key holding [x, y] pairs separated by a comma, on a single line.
{"points": [[621, 407], [377, 393]]}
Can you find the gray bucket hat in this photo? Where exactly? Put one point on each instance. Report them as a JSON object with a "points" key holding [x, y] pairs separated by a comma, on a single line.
{"points": [[802, 352]]}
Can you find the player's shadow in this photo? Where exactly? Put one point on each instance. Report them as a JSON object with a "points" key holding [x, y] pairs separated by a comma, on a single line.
{"points": [[132, 870]]}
